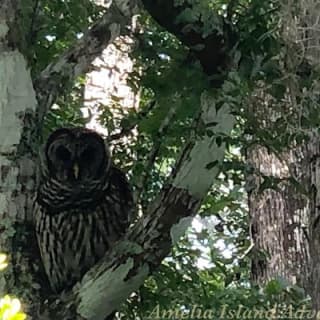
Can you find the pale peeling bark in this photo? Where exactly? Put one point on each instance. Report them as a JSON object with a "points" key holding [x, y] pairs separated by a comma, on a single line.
{"points": [[149, 241], [57, 76], [17, 106]]}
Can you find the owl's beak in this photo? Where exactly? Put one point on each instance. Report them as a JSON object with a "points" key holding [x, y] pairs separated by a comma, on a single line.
{"points": [[76, 170]]}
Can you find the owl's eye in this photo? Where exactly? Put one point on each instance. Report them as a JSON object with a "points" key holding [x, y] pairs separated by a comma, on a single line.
{"points": [[63, 153], [88, 154]]}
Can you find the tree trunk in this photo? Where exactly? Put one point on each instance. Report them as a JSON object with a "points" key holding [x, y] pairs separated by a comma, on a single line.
{"points": [[279, 219], [285, 221], [278, 209], [17, 162], [314, 226]]}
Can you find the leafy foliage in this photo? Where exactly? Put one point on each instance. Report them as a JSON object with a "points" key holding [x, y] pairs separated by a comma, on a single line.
{"points": [[52, 26], [9, 306]]}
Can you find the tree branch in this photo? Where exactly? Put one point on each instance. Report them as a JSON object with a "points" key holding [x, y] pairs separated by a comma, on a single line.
{"points": [[212, 50], [56, 77], [124, 268]]}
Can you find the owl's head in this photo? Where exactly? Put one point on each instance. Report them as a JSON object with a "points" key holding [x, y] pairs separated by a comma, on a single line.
{"points": [[77, 155]]}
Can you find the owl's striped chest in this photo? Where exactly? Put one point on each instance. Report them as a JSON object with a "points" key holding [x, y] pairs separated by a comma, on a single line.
{"points": [[76, 225], [72, 241]]}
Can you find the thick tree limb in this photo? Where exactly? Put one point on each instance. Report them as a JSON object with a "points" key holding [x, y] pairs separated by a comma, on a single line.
{"points": [[212, 50], [149, 241], [76, 61]]}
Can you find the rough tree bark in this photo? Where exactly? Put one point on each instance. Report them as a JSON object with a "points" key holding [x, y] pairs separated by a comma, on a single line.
{"points": [[124, 268], [305, 24], [313, 151], [279, 219], [278, 212], [285, 221]]}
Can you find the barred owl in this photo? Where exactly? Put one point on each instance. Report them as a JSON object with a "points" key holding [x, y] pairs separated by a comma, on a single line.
{"points": [[83, 205]]}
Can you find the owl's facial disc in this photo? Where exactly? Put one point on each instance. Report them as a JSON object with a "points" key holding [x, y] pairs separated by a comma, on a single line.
{"points": [[77, 157]]}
